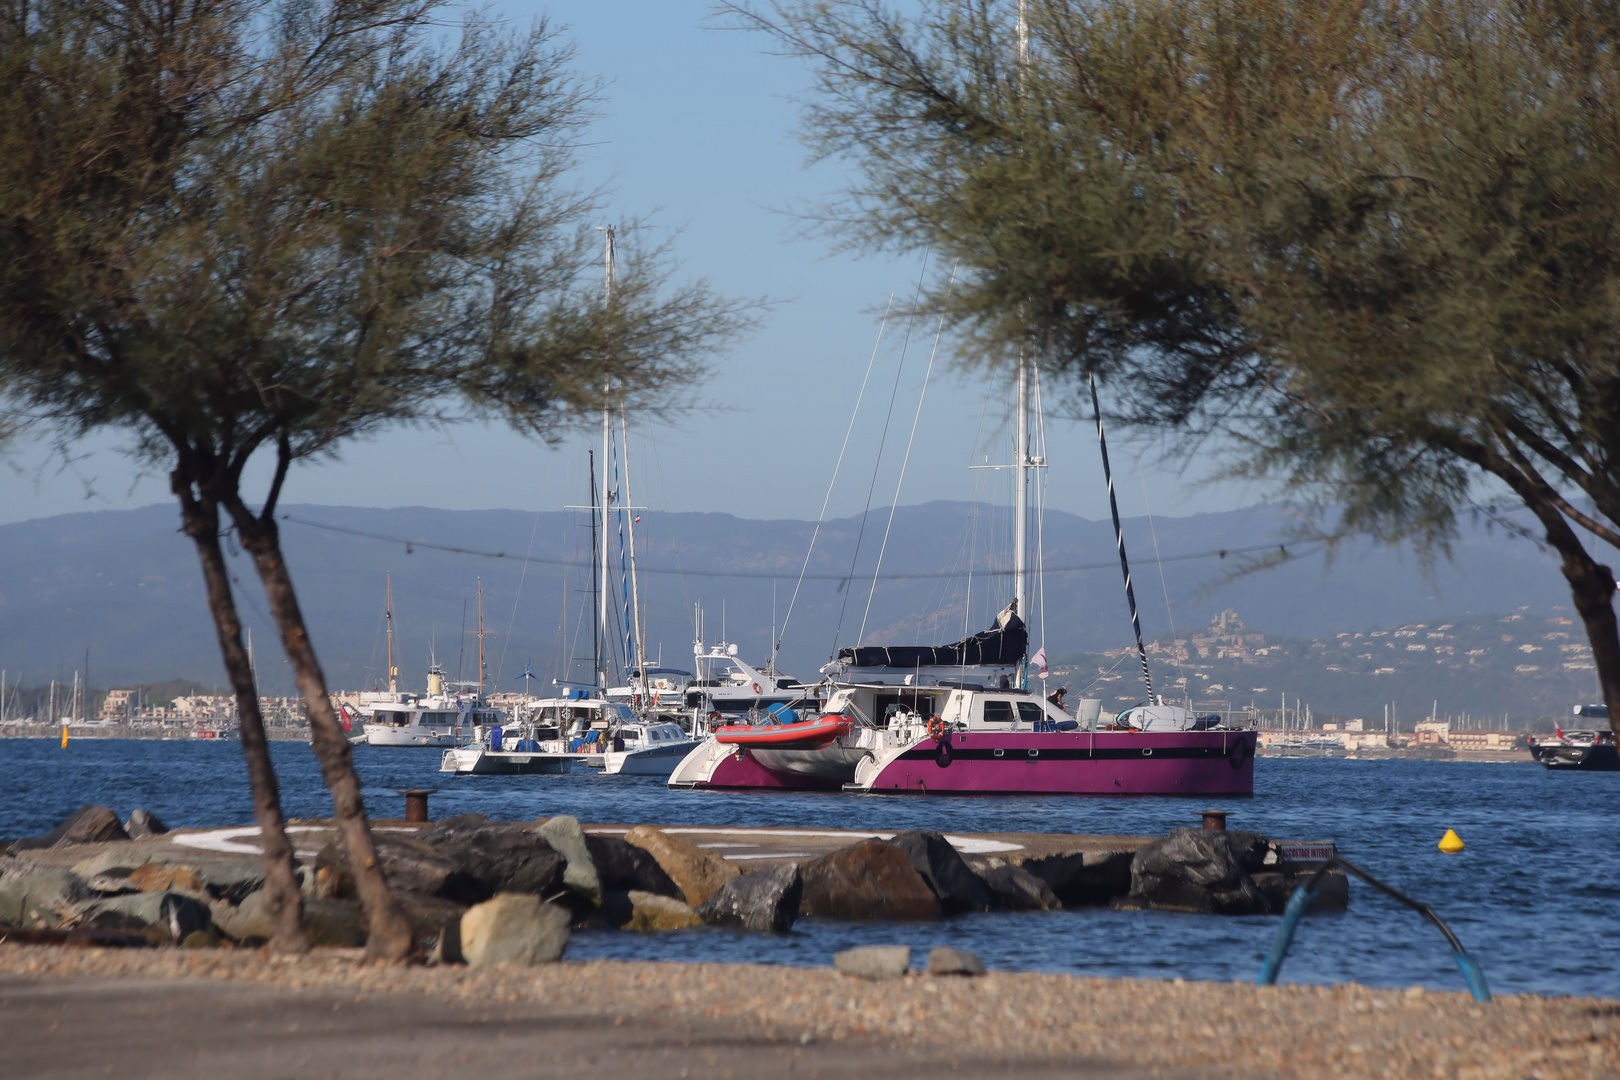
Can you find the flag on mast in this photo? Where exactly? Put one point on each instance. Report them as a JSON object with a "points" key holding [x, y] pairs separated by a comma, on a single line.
{"points": [[1038, 662]]}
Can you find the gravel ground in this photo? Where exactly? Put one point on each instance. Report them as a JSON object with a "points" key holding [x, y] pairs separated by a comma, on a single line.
{"points": [[1161, 1027]]}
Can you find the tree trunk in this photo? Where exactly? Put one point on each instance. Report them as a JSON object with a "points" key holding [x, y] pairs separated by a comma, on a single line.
{"points": [[283, 902], [1592, 586], [389, 933]]}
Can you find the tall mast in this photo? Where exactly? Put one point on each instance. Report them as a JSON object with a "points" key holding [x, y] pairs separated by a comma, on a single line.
{"points": [[636, 627], [596, 629], [388, 616], [607, 440], [1021, 450]]}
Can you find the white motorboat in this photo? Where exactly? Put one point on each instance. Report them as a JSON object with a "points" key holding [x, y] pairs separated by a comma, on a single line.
{"points": [[548, 735], [444, 716], [648, 749]]}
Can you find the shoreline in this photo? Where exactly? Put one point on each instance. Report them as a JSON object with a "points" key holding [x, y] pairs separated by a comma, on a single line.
{"points": [[1012, 1022]]}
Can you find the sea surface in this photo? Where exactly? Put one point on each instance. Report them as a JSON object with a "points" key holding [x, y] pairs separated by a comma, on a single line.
{"points": [[1535, 897]]}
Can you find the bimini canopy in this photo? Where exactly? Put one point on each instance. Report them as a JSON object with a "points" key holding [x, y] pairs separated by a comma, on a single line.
{"points": [[1002, 645]]}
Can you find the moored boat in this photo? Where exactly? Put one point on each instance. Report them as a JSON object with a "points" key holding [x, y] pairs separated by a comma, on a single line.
{"points": [[1589, 750]]}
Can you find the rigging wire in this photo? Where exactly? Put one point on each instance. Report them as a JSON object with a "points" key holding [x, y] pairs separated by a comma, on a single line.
{"points": [[838, 465], [1153, 531], [905, 461], [877, 461], [1214, 553]]}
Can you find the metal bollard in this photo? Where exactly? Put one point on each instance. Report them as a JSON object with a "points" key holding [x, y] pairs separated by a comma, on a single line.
{"points": [[416, 808], [1214, 819]]}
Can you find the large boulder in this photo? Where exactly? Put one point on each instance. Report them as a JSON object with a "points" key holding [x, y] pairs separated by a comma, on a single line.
{"points": [[873, 962], [868, 880], [429, 916], [944, 960], [1015, 888], [330, 922], [513, 929], [1198, 870], [655, 911], [579, 872], [173, 916], [1084, 879], [86, 825], [767, 900], [408, 865], [40, 897], [698, 872], [942, 867], [143, 824], [623, 866], [156, 877], [492, 858]]}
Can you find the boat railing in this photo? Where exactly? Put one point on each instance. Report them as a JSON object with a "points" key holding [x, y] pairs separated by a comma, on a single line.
{"points": [[1306, 895]]}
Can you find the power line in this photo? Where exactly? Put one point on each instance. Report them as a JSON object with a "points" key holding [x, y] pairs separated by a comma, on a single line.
{"points": [[1216, 553]]}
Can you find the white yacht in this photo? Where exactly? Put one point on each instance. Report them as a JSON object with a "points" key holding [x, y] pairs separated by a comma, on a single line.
{"points": [[444, 716]]}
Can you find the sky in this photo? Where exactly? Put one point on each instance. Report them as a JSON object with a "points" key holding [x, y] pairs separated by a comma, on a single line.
{"points": [[698, 135]]}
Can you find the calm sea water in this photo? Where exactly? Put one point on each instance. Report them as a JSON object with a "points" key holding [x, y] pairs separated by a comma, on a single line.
{"points": [[1536, 896]]}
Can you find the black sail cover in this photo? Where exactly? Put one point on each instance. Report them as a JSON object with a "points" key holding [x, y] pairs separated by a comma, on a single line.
{"points": [[1002, 645]]}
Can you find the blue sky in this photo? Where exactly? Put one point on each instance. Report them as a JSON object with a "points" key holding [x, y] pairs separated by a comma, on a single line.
{"points": [[698, 134]]}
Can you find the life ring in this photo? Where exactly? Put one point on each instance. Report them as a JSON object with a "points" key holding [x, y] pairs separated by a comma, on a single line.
{"points": [[715, 719], [1238, 754], [937, 728], [756, 688]]}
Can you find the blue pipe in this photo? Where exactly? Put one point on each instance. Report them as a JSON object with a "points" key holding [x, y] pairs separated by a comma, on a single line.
{"points": [[1306, 894]]}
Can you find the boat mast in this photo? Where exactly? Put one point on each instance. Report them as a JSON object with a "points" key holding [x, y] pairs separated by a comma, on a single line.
{"points": [[388, 617], [596, 628], [636, 614], [607, 440], [1021, 450]]}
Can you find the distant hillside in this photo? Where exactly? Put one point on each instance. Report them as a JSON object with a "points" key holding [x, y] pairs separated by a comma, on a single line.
{"points": [[1515, 665], [125, 584]]}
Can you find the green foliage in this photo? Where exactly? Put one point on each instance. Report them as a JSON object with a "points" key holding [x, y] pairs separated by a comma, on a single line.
{"points": [[246, 221]]}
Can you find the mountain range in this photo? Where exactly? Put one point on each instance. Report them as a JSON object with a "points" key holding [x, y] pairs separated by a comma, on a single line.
{"points": [[125, 585]]}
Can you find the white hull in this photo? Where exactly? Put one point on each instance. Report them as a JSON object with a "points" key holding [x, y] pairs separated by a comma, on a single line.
{"points": [[480, 761], [653, 761], [389, 735]]}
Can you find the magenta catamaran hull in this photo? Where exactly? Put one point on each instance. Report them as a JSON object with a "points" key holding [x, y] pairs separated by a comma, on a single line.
{"points": [[1201, 763]]}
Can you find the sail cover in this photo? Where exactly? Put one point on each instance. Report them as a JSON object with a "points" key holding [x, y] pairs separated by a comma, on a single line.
{"points": [[1000, 646]]}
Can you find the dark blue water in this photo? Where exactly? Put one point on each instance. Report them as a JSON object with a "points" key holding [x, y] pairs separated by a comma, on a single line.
{"points": [[1536, 896]]}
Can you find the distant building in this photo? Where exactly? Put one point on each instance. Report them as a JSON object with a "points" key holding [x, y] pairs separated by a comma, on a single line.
{"points": [[1432, 732], [120, 704]]}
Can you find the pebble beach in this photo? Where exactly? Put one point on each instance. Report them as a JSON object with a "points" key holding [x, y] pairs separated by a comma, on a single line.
{"points": [[1124, 1026]]}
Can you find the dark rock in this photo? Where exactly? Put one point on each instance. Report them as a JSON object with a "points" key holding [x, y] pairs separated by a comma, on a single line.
{"points": [[874, 962], [1084, 879], [492, 858], [429, 916], [1015, 888], [232, 879], [87, 825], [767, 900], [1249, 849], [621, 865], [944, 960], [941, 866], [868, 880], [173, 915], [1196, 870], [1332, 892], [333, 923], [142, 824]]}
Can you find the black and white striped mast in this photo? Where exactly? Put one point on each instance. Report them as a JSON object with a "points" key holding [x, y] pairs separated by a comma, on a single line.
{"points": [[1119, 541]]}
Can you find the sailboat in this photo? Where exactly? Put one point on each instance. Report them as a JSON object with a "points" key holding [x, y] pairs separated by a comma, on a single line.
{"points": [[448, 713]]}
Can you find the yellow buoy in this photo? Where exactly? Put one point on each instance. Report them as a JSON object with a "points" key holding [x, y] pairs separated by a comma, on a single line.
{"points": [[1451, 843], [64, 736]]}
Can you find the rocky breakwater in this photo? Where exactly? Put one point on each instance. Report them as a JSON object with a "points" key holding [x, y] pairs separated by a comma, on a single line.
{"points": [[491, 893]]}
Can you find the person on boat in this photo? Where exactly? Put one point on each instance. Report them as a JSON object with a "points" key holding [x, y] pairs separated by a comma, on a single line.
{"points": [[1056, 697]]}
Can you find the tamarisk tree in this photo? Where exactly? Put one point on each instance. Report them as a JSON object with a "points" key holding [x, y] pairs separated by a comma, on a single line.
{"points": [[1372, 248], [247, 228]]}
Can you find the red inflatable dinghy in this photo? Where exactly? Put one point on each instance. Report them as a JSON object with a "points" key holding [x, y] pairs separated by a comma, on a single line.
{"points": [[804, 735]]}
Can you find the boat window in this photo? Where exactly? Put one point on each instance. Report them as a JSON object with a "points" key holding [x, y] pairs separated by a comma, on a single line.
{"points": [[998, 712], [1030, 713]]}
